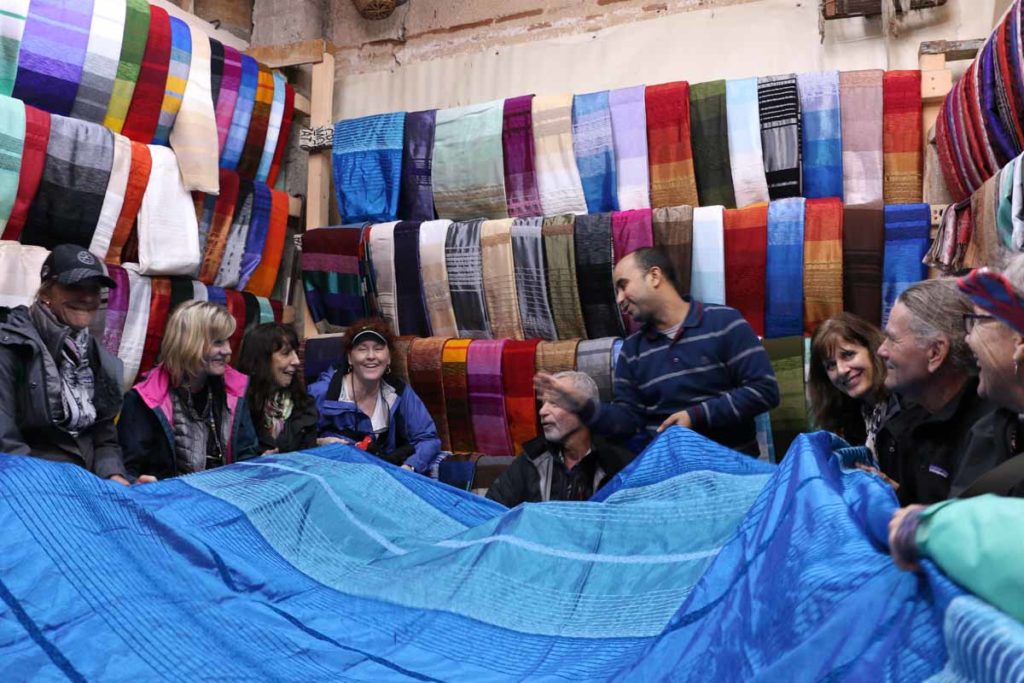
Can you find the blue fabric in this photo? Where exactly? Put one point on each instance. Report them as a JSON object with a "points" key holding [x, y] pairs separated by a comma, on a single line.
{"points": [[907, 234], [595, 151], [242, 116], [694, 563], [216, 295], [784, 276], [256, 238], [821, 133], [367, 161]]}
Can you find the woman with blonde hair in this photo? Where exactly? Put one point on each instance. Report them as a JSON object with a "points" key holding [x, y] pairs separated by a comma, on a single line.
{"points": [[189, 414]]}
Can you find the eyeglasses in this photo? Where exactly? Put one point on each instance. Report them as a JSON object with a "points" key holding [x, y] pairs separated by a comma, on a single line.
{"points": [[972, 319]]}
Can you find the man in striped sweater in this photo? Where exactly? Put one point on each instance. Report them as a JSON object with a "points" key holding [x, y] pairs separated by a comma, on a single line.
{"points": [[692, 364]]}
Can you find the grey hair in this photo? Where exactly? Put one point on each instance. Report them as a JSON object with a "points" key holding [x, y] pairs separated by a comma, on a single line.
{"points": [[582, 382], [937, 310]]}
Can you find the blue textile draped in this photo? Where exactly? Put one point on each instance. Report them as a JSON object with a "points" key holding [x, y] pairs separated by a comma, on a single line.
{"points": [[907, 234], [330, 564], [595, 150], [784, 276], [256, 238], [821, 131], [367, 161]]}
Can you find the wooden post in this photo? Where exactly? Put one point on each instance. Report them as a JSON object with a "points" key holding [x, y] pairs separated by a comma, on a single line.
{"points": [[318, 184]]}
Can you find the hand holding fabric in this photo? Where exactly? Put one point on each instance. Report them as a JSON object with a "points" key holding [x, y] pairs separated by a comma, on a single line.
{"points": [[902, 532], [117, 478], [682, 418]]}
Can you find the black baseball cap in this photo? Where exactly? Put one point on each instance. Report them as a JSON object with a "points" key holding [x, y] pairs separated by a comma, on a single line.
{"points": [[70, 264]]}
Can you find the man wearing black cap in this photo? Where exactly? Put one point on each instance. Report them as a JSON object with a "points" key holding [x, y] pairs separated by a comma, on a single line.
{"points": [[60, 389]]}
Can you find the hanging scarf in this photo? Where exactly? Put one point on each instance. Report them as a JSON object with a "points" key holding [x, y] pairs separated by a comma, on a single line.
{"points": [[382, 247], [500, 280], [707, 279], [518, 152], [167, 227], [194, 137], [368, 167], [631, 230], [518, 366], [12, 28], [779, 113], [216, 68], [901, 124], [427, 377], [486, 399], [594, 252], [77, 380], [144, 113], [558, 178], [746, 161], [274, 122], [710, 133], [330, 274], [436, 294], [984, 247], [265, 276], [256, 236], [117, 309], [594, 151], [48, 78], [464, 261], [1000, 138], [822, 134], [863, 249], [531, 283], [456, 395], [745, 239], [99, 71], [596, 357], [415, 198], [33, 159], [230, 82], [560, 266], [672, 228], [860, 98], [823, 261], [12, 142], [177, 78], [267, 314], [629, 135], [670, 156], [256, 136], [1004, 212], [784, 269], [234, 249], [181, 291], [556, 356], [467, 175], [245, 101], [133, 45], [156, 322], [138, 181], [412, 313], [220, 226], [133, 338], [907, 231], [113, 200], [400, 358], [276, 413], [284, 136]]}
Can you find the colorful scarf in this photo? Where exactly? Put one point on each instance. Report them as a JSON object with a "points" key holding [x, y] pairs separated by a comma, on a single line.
{"points": [[177, 78], [672, 228], [265, 276], [467, 175], [822, 134], [486, 397], [436, 294], [823, 261], [558, 178], [282, 138], [259, 122], [54, 45], [707, 278], [99, 71], [860, 98], [12, 142], [168, 231], [779, 112], [113, 200], [415, 198], [138, 180], [745, 239], [231, 261], [33, 159], [629, 135], [456, 395], [560, 264], [245, 102], [227, 97], [594, 253], [556, 356], [144, 113], [67, 206], [531, 283], [596, 357], [518, 151], [412, 311], [863, 250], [256, 237], [382, 250], [194, 137], [117, 309], [518, 366], [499, 279], [367, 160], [631, 230], [784, 269], [136, 321], [901, 136], [907, 232], [709, 126], [133, 45], [12, 27], [330, 274], [273, 127], [220, 226], [464, 261], [595, 153], [670, 156], [746, 161], [426, 372]]}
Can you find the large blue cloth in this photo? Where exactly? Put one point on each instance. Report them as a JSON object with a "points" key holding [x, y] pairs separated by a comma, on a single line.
{"points": [[784, 275], [821, 132], [368, 167], [594, 149], [907, 235], [694, 563]]}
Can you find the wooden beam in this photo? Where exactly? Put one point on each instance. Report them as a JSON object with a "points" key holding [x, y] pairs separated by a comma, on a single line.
{"points": [[302, 104], [293, 54], [294, 206], [318, 184], [952, 50]]}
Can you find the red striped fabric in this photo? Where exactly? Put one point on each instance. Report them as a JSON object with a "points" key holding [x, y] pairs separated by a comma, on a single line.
{"points": [[746, 262], [236, 307], [138, 179], [456, 395], [220, 226], [159, 311], [427, 374], [518, 366], [282, 140], [263, 279], [33, 158], [144, 112], [256, 138]]}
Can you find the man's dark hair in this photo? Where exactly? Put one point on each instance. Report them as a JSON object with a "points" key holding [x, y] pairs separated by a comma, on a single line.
{"points": [[651, 257]]}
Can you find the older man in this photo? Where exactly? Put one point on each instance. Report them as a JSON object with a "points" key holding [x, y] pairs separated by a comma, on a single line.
{"points": [[692, 364], [566, 463], [933, 374]]}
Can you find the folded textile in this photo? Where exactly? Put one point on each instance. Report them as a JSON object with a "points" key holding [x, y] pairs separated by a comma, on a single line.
{"points": [[530, 277], [709, 128], [33, 160], [256, 237], [779, 112], [456, 395], [382, 248], [436, 293], [220, 226], [79, 156], [822, 134], [517, 141], [1004, 212], [177, 78], [144, 113], [1016, 206], [560, 267], [467, 172], [256, 136], [745, 242], [113, 200], [907, 232], [823, 261], [412, 311], [231, 261], [1000, 137], [784, 269], [199, 291], [12, 142], [265, 276], [464, 261], [133, 45], [556, 356], [863, 252], [274, 122], [595, 152], [594, 253], [245, 100], [12, 27], [984, 248], [486, 397], [117, 309], [746, 160], [54, 45], [168, 231], [136, 322], [672, 227], [368, 166], [596, 357], [629, 136], [901, 145], [426, 372], [415, 197], [267, 314], [860, 98], [500, 279], [707, 275], [227, 97], [330, 274], [19, 273], [670, 156], [99, 70], [558, 178], [518, 366], [194, 136], [285, 134], [138, 180]]}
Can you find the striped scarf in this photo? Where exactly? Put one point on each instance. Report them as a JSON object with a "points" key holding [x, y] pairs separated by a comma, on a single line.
{"points": [[531, 283], [746, 160], [194, 137], [709, 126], [467, 175], [330, 274], [113, 201], [436, 294], [12, 28], [227, 95], [412, 312], [415, 198], [382, 251], [282, 138], [499, 279], [560, 267], [256, 236], [33, 159], [557, 356], [273, 127], [594, 253], [907, 232], [177, 77], [518, 366], [901, 136], [426, 372], [745, 239], [486, 397], [245, 101], [822, 134], [594, 151], [99, 71], [216, 68], [517, 140], [456, 395], [558, 178], [256, 137], [863, 249], [144, 112], [779, 113], [133, 338], [219, 226], [231, 263], [596, 357], [629, 135], [860, 98], [263, 279], [133, 45], [367, 160], [668, 139], [784, 269], [12, 142], [672, 228], [823, 261], [707, 278], [117, 309], [464, 262], [138, 180], [54, 45]]}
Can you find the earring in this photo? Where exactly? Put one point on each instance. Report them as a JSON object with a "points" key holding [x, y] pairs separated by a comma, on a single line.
{"points": [[46, 302], [387, 370]]}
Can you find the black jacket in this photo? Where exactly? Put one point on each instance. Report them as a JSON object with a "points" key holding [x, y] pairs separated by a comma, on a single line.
{"points": [[925, 452], [530, 477], [990, 446], [30, 395], [299, 431]]}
